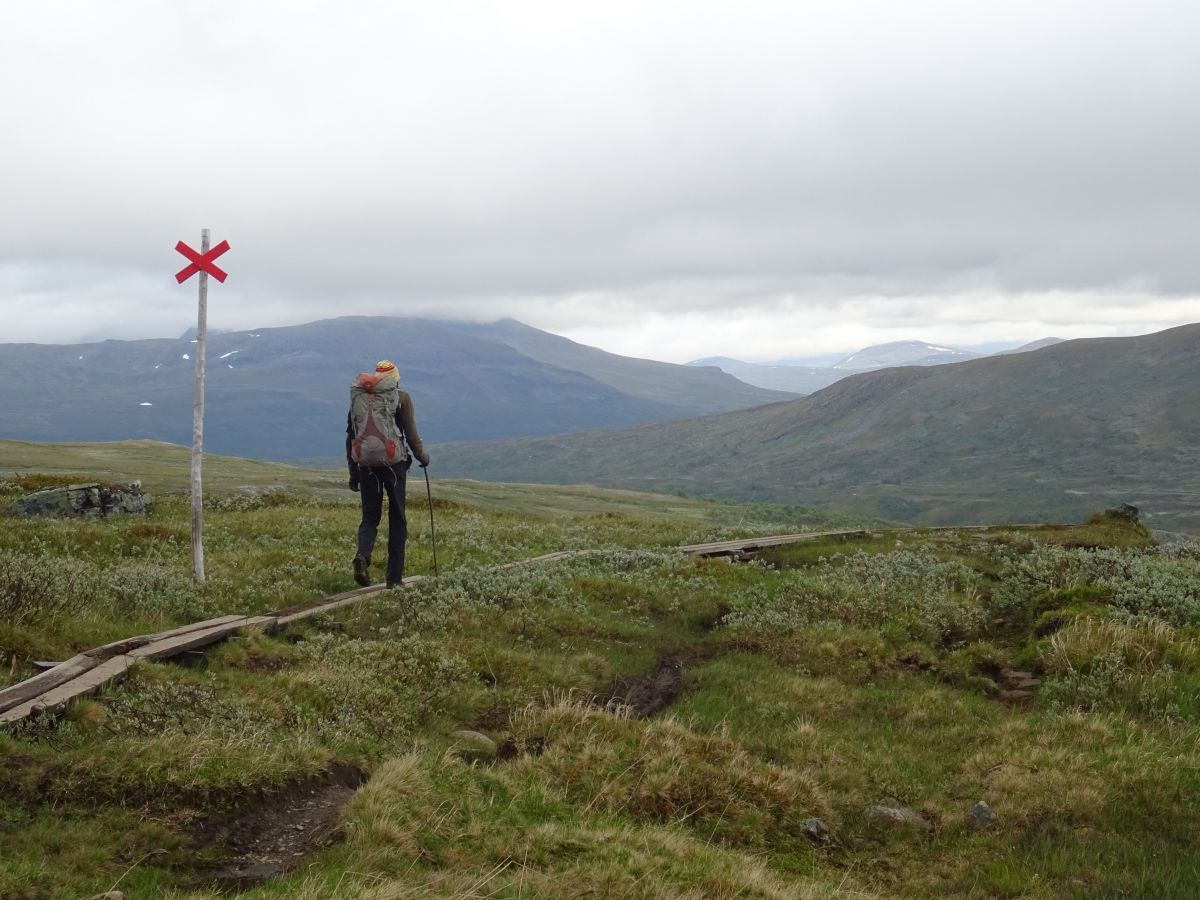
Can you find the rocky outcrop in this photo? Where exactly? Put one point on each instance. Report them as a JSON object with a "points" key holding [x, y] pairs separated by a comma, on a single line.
{"points": [[85, 500]]}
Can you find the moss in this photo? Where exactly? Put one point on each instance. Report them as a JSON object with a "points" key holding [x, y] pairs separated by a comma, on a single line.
{"points": [[1057, 608]]}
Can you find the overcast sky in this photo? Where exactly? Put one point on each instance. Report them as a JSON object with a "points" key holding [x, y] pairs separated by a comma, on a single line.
{"points": [[663, 179]]}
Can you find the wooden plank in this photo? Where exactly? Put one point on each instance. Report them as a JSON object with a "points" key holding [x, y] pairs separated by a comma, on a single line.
{"points": [[369, 591], [187, 641], [322, 608], [89, 659], [337, 601], [31, 688], [54, 700], [258, 623], [17, 694], [545, 558], [285, 621], [719, 547], [128, 644]]}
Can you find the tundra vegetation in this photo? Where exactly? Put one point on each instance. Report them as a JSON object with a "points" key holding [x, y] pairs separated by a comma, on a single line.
{"points": [[812, 683]]}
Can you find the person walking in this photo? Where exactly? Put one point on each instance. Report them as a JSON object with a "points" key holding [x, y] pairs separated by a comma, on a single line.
{"points": [[379, 464]]}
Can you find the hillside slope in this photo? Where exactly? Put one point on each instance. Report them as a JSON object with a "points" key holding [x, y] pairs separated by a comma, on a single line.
{"points": [[1051, 433], [688, 389], [281, 393]]}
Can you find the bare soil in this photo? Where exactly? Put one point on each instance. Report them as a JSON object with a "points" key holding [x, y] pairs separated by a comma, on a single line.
{"points": [[272, 835], [651, 693]]}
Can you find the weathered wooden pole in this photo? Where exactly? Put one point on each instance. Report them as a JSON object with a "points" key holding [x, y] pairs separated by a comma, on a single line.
{"points": [[198, 423], [204, 263]]}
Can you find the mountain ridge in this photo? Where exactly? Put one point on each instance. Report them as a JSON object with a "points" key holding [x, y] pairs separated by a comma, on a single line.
{"points": [[282, 393], [1044, 435]]}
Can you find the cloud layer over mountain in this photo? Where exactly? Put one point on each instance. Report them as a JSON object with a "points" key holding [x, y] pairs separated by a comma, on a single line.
{"points": [[686, 178]]}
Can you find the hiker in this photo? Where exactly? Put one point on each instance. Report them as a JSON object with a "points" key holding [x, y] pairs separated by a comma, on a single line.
{"points": [[378, 426]]}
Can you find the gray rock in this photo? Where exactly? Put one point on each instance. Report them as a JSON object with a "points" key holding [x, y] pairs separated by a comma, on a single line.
{"points": [[981, 816], [817, 832], [471, 746], [85, 500], [895, 816]]}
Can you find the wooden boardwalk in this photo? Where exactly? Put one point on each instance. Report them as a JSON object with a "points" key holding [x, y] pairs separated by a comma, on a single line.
{"points": [[52, 690], [745, 546]]}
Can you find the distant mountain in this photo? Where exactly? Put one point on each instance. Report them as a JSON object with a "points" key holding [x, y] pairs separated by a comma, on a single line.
{"points": [[1032, 345], [1053, 434], [902, 353], [282, 393], [796, 379], [799, 379]]}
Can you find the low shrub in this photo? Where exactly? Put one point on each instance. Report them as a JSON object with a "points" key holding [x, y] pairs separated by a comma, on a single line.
{"points": [[1141, 646], [35, 588], [927, 598], [1141, 582], [1143, 668]]}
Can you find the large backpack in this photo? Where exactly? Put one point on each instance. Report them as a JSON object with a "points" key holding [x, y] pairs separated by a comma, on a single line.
{"points": [[377, 441]]}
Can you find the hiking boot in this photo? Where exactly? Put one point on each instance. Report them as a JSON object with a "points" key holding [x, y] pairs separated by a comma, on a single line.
{"points": [[395, 584], [361, 567]]}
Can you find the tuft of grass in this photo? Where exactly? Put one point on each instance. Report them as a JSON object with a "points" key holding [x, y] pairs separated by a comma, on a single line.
{"points": [[661, 771], [1142, 668]]}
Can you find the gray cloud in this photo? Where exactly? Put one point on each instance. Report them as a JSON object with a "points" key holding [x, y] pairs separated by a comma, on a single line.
{"points": [[847, 171]]}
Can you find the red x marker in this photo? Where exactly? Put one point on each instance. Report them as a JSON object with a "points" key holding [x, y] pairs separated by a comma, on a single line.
{"points": [[201, 262]]}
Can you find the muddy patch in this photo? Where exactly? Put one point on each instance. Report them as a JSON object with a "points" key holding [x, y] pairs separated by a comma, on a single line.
{"points": [[273, 835], [648, 694], [716, 618]]}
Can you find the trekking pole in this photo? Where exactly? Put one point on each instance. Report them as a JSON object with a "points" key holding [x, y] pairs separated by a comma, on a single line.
{"points": [[432, 533]]}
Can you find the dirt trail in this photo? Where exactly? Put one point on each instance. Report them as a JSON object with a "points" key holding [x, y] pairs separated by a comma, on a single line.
{"points": [[272, 836]]}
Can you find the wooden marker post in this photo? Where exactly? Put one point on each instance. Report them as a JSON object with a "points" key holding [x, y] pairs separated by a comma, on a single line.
{"points": [[201, 262]]}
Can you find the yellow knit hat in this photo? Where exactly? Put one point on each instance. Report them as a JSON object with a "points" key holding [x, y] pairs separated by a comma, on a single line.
{"points": [[387, 368]]}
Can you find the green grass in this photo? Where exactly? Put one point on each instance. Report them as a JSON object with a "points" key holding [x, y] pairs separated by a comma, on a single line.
{"points": [[818, 681]]}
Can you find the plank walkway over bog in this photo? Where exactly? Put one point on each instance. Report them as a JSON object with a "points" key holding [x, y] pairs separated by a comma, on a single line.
{"points": [[749, 545], [51, 691]]}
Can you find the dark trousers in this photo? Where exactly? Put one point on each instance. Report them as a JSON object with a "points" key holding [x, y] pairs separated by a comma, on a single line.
{"points": [[374, 482]]}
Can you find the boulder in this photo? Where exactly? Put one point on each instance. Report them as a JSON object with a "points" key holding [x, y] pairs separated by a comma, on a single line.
{"points": [[981, 816], [85, 500], [818, 832], [471, 746], [895, 816]]}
